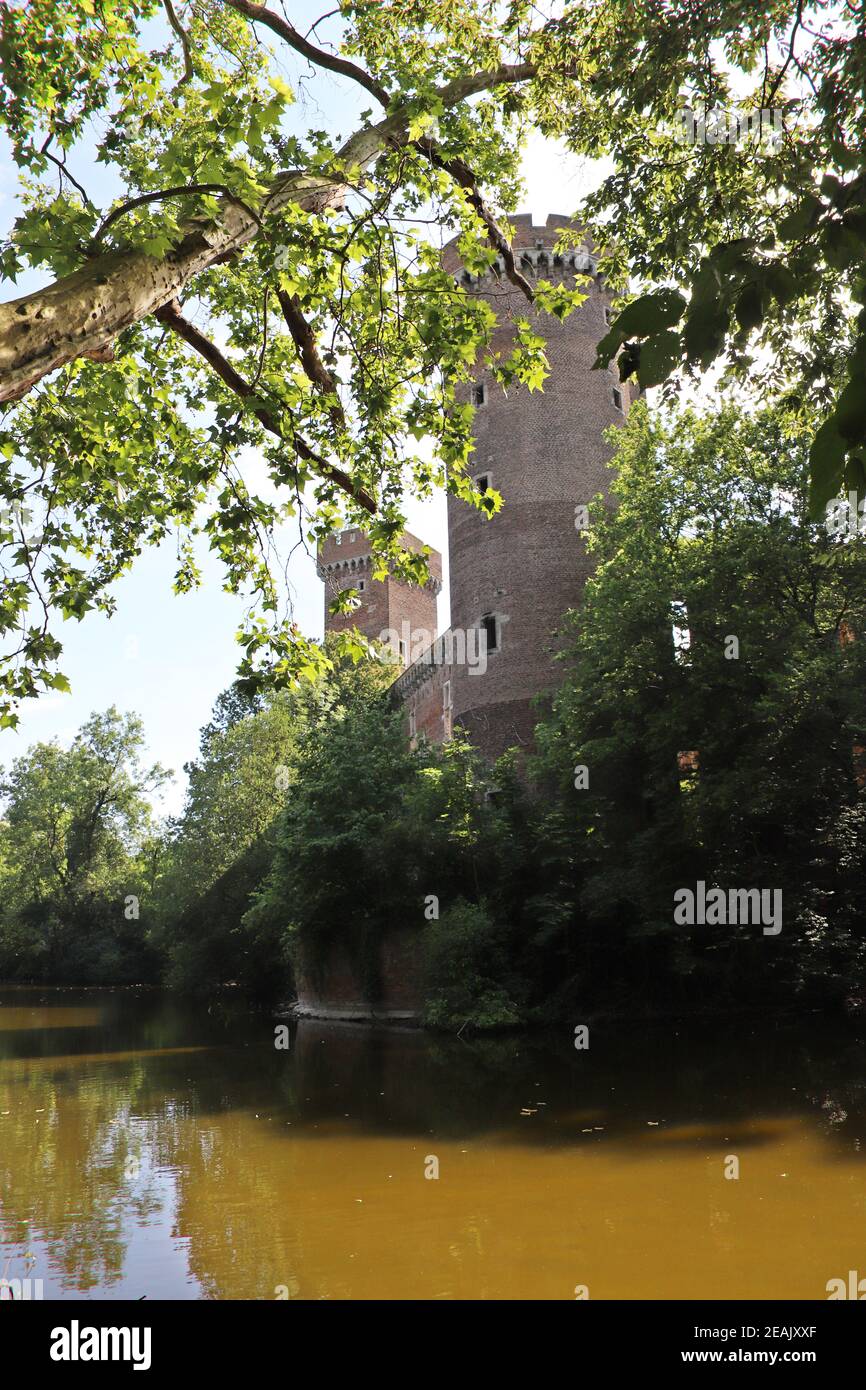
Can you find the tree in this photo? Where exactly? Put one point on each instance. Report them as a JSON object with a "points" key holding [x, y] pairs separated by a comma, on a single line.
{"points": [[345, 861], [235, 789], [737, 205], [715, 698], [257, 283], [377, 837], [217, 852], [73, 837]]}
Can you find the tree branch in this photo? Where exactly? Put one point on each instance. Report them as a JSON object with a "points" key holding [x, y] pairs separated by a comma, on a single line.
{"points": [[84, 311], [171, 316], [507, 74], [179, 191], [308, 351], [463, 175], [260, 14], [184, 41], [64, 172], [798, 20]]}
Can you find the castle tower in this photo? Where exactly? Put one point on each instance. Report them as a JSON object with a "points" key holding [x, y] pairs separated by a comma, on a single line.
{"points": [[386, 605], [513, 576]]}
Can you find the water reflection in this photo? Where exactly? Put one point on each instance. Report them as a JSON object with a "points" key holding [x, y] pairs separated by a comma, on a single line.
{"points": [[147, 1149]]}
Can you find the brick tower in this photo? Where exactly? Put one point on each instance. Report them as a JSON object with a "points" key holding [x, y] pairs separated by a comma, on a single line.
{"points": [[513, 576], [387, 605]]}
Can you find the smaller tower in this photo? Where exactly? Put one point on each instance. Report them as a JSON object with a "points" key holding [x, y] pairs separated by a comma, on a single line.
{"points": [[404, 615]]}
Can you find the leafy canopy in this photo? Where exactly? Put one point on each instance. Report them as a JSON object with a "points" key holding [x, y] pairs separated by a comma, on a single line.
{"points": [[739, 765], [225, 274], [76, 832]]}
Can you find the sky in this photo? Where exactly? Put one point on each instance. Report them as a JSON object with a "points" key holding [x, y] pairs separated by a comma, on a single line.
{"points": [[165, 656]]}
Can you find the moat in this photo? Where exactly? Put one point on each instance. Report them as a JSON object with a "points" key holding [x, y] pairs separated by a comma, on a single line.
{"points": [[150, 1149]]}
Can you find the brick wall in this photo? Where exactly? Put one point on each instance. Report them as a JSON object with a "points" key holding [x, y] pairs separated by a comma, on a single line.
{"points": [[545, 453], [425, 692], [345, 562], [334, 989]]}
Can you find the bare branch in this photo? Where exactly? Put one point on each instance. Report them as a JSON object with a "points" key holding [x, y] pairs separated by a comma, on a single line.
{"points": [[64, 172], [171, 316], [260, 14], [184, 41], [798, 20]]}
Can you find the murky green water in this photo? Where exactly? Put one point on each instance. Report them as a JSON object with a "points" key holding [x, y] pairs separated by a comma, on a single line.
{"points": [[151, 1149]]}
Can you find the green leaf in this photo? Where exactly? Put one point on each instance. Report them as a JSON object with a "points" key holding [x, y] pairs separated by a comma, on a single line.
{"points": [[651, 312], [749, 309], [827, 462], [796, 225], [705, 330], [629, 361], [282, 89], [659, 356], [641, 318], [842, 247], [850, 412]]}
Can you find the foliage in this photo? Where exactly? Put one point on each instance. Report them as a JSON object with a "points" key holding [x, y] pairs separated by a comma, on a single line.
{"points": [[203, 947], [746, 241], [235, 789], [215, 852], [372, 833], [344, 863], [218, 851], [260, 283], [741, 772], [75, 850], [466, 962]]}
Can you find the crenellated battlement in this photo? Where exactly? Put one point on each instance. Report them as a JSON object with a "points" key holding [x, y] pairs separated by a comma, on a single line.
{"points": [[538, 261], [339, 572], [345, 561]]}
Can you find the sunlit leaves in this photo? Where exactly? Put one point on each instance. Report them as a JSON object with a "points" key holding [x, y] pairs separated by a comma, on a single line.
{"points": [[727, 249]]}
